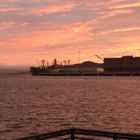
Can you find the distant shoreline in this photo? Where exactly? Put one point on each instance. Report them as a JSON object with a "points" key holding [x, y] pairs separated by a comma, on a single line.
{"points": [[15, 73]]}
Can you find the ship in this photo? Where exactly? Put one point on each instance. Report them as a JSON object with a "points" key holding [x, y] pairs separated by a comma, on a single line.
{"points": [[55, 68]]}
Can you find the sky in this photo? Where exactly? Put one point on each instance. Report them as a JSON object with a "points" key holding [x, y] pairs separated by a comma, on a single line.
{"points": [[75, 30]]}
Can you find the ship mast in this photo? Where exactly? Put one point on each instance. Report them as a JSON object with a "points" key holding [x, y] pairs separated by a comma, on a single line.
{"points": [[43, 61]]}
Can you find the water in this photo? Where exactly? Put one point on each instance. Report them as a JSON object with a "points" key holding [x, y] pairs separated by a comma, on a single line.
{"points": [[32, 105]]}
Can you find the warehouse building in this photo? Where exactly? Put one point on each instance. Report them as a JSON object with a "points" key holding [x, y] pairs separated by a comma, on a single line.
{"points": [[123, 64]]}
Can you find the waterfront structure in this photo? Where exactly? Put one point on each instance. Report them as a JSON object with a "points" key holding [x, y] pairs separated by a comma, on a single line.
{"points": [[124, 64], [82, 70]]}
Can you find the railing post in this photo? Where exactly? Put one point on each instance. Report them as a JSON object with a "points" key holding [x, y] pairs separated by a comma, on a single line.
{"points": [[37, 138], [114, 136], [72, 134]]}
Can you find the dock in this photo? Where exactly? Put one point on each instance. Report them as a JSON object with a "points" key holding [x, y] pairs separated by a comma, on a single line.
{"points": [[87, 74]]}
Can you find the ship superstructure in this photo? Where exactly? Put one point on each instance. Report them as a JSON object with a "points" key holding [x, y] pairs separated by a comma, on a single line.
{"points": [[55, 68]]}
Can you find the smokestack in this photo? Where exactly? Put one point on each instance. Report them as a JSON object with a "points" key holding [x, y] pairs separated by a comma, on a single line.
{"points": [[55, 62]]}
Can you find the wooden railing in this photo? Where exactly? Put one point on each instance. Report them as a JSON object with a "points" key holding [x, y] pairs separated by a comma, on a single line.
{"points": [[78, 134]]}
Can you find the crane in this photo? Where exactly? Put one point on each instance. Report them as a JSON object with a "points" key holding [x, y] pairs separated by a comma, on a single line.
{"points": [[98, 57], [38, 62]]}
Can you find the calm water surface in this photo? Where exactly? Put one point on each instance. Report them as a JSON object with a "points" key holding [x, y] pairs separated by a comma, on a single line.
{"points": [[32, 105]]}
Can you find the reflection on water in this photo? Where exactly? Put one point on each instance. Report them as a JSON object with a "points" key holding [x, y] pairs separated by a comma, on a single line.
{"points": [[31, 104]]}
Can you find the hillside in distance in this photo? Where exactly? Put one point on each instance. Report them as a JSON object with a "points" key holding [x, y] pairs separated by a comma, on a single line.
{"points": [[88, 64]]}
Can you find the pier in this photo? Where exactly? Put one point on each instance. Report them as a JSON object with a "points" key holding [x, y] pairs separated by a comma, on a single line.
{"points": [[87, 74], [82, 134]]}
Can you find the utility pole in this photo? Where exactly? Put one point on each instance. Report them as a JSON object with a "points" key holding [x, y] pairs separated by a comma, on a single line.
{"points": [[79, 57], [138, 52]]}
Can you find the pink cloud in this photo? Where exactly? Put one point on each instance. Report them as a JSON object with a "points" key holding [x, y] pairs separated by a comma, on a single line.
{"points": [[13, 0], [7, 9], [126, 29], [122, 30], [125, 5], [114, 13], [51, 9], [6, 25], [25, 23]]}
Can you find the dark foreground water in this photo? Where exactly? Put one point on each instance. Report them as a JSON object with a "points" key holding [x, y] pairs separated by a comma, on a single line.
{"points": [[32, 105]]}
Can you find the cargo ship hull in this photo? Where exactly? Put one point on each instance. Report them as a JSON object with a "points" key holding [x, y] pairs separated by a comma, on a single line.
{"points": [[38, 70]]}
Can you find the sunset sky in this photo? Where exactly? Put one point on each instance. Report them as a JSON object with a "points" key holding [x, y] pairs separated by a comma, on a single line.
{"points": [[32, 30]]}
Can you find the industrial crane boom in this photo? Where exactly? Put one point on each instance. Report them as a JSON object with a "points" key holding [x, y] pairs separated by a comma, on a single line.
{"points": [[98, 57]]}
